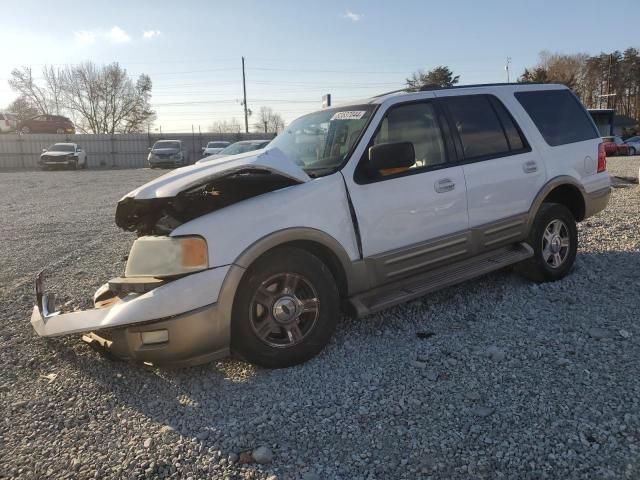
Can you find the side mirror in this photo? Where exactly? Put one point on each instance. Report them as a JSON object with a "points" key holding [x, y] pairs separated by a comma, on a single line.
{"points": [[44, 150], [391, 155]]}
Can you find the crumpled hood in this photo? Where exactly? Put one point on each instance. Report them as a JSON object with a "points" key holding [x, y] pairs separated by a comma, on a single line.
{"points": [[171, 184], [57, 154]]}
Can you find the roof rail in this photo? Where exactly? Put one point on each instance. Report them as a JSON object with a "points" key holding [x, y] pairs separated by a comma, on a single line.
{"points": [[427, 88]]}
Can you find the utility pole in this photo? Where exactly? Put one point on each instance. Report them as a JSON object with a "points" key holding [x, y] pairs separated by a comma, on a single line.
{"points": [[244, 89], [506, 67], [609, 82]]}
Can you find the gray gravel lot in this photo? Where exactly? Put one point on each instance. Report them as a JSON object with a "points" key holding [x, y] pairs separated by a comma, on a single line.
{"points": [[518, 380]]}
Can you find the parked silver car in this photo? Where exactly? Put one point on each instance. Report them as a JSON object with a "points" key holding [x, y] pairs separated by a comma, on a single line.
{"points": [[168, 153], [237, 148]]}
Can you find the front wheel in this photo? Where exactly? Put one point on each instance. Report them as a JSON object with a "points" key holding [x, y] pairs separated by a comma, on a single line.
{"points": [[554, 238], [286, 309]]}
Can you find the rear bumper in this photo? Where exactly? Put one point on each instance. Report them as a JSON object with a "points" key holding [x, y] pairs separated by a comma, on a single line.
{"points": [[595, 202], [193, 312]]}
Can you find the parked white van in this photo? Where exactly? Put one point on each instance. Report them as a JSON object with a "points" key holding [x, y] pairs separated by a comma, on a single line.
{"points": [[364, 205]]}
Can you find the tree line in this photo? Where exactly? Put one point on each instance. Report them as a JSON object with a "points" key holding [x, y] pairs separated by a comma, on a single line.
{"points": [[99, 99], [606, 80]]}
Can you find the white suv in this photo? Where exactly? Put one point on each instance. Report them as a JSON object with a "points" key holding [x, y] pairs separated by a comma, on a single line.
{"points": [[366, 205]]}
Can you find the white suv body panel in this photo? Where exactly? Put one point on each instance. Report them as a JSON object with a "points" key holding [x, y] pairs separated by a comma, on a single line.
{"points": [[319, 205]]}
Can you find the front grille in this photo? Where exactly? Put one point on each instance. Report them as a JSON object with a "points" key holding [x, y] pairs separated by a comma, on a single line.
{"points": [[48, 158]]}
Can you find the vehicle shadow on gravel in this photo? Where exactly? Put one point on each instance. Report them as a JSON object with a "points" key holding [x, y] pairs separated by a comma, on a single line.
{"points": [[205, 403]]}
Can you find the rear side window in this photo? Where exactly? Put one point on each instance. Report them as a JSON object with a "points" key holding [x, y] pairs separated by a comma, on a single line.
{"points": [[478, 126], [558, 115]]}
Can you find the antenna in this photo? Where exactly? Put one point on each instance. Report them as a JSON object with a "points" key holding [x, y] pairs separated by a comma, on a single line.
{"points": [[506, 67]]}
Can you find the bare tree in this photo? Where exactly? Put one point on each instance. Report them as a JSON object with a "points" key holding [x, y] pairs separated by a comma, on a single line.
{"points": [[226, 126], [268, 121], [23, 82], [53, 88], [99, 99], [23, 109]]}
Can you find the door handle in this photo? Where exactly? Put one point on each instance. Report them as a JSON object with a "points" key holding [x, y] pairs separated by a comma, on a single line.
{"points": [[530, 167], [444, 185]]}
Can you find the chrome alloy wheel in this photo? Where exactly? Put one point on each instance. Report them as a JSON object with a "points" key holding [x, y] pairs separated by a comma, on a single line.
{"points": [[284, 310], [555, 243]]}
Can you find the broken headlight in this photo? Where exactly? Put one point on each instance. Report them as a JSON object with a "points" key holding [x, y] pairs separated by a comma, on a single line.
{"points": [[166, 256]]}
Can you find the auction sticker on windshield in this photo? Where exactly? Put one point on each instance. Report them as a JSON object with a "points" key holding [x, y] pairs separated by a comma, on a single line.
{"points": [[349, 115]]}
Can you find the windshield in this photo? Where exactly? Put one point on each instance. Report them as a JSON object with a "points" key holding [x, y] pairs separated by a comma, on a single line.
{"points": [[166, 144], [217, 144], [237, 148], [61, 147], [323, 139]]}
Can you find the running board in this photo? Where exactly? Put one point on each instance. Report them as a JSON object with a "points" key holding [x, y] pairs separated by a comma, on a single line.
{"points": [[445, 276]]}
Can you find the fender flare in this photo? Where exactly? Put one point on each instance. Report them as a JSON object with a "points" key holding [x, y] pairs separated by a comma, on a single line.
{"points": [[547, 188], [356, 279]]}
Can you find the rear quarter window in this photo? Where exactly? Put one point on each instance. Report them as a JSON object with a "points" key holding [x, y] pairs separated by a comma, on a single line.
{"points": [[558, 115]]}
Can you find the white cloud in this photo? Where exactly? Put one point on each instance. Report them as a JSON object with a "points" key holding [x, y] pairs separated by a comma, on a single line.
{"points": [[89, 37], [354, 17], [118, 35], [85, 37], [149, 34]]}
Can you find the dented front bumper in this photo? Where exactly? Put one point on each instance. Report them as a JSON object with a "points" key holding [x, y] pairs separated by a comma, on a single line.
{"points": [[195, 326]]}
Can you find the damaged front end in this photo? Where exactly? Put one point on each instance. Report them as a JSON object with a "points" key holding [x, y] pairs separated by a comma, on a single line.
{"points": [[160, 216], [167, 308]]}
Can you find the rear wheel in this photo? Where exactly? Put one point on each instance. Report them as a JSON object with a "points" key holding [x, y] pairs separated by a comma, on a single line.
{"points": [[632, 151], [286, 309], [554, 238]]}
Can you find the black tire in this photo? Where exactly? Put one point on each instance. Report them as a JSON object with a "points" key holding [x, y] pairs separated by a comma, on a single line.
{"points": [[539, 267], [632, 151], [309, 272], [86, 163], [74, 165]]}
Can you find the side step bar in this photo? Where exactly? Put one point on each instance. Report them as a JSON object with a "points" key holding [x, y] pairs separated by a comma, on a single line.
{"points": [[445, 276]]}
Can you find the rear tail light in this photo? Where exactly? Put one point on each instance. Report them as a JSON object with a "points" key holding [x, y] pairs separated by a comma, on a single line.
{"points": [[602, 158]]}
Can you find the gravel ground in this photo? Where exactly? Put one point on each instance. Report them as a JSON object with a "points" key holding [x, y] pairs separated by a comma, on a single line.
{"points": [[495, 378]]}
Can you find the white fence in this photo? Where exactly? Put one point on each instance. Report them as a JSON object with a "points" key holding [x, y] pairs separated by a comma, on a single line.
{"points": [[106, 151]]}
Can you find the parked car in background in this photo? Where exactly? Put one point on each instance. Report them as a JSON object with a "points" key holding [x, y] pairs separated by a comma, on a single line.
{"points": [[616, 146], [237, 148], [214, 147], [633, 145], [368, 205], [67, 155], [8, 122], [611, 146], [47, 124], [168, 153]]}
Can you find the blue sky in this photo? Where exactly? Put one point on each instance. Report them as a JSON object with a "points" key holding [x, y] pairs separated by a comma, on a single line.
{"points": [[295, 50]]}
